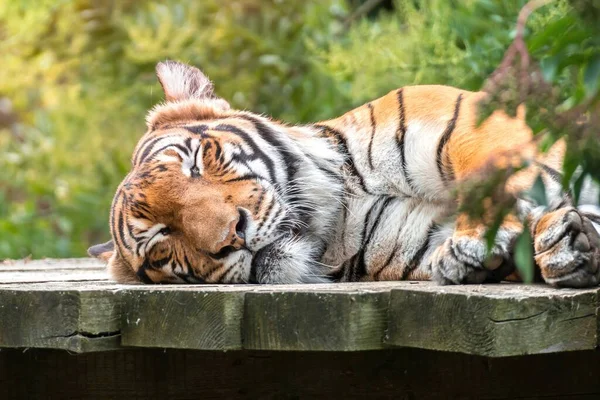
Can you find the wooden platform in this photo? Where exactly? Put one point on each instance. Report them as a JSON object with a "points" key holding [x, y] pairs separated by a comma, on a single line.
{"points": [[72, 305]]}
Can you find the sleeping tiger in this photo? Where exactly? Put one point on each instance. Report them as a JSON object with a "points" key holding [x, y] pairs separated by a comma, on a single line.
{"points": [[217, 195]]}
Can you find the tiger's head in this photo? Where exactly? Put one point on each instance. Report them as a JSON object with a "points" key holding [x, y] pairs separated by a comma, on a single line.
{"points": [[208, 195]]}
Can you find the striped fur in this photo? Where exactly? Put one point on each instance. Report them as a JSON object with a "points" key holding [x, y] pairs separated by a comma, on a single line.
{"points": [[219, 195]]}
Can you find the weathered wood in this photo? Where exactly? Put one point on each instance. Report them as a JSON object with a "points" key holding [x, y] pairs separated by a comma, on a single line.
{"points": [[390, 374], [491, 322], [184, 319], [347, 321], [48, 270], [78, 321], [38, 309]]}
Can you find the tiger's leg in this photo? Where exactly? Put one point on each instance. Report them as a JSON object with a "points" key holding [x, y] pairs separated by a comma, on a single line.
{"points": [[567, 248], [463, 257], [565, 239]]}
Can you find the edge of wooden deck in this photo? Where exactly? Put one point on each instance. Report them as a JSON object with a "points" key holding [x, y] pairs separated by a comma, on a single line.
{"points": [[72, 305]]}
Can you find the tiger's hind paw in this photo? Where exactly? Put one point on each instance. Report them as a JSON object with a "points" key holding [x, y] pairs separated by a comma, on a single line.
{"points": [[567, 249]]}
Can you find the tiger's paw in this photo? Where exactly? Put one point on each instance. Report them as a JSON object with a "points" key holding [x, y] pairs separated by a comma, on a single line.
{"points": [[464, 259], [567, 249]]}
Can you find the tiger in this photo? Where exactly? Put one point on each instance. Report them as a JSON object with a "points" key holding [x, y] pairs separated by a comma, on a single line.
{"points": [[219, 195]]}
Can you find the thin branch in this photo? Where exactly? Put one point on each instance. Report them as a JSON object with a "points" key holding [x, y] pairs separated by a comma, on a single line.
{"points": [[361, 11], [518, 47]]}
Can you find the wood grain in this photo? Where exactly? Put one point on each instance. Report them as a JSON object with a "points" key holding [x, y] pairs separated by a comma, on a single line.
{"points": [[493, 326], [182, 319], [347, 321], [52, 304]]}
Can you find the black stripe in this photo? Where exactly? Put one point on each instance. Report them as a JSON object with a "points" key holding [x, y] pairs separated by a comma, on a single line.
{"points": [[147, 148], [218, 150], [557, 177], [401, 138], [372, 135], [265, 214], [386, 263], [269, 164], [141, 273], [195, 171], [147, 154], [338, 274], [197, 129], [224, 273], [270, 136], [140, 205], [184, 149], [343, 148], [444, 141], [330, 173], [290, 159], [121, 225], [187, 275], [361, 269], [113, 226], [258, 204], [160, 263], [552, 173], [275, 217], [420, 253], [247, 177]]}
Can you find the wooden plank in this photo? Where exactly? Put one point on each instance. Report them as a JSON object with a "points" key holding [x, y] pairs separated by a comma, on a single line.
{"points": [[81, 315], [78, 321], [315, 321], [492, 322], [51, 263], [185, 319], [53, 276], [385, 374], [48, 270]]}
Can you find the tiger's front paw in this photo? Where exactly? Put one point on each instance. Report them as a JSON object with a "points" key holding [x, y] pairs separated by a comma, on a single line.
{"points": [[464, 259], [567, 249]]}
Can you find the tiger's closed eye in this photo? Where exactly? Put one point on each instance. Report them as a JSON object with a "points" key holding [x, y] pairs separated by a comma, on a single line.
{"points": [[166, 231]]}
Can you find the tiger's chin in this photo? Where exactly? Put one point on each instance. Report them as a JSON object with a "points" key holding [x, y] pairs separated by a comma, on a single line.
{"points": [[289, 260]]}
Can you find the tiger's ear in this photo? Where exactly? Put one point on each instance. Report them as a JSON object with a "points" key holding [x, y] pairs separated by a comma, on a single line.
{"points": [[181, 81], [120, 270], [102, 251], [117, 267]]}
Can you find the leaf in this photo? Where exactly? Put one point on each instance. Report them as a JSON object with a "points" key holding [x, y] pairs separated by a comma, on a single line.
{"points": [[578, 185], [591, 76], [538, 192], [492, 230], [570, 164], [524, 255], [490, 236], [547, 36], [549, 66]]}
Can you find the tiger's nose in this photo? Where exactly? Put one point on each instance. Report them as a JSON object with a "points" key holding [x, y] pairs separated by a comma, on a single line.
{"points": [[235, 238]]}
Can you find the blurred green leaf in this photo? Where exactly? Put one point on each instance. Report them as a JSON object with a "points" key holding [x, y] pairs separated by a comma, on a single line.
{"points": [[549, 66], [524, 255], [591, 77], [578, 185], [538, 192]]}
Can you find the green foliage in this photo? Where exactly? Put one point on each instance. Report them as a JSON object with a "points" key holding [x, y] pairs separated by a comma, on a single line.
{"points": [[456, 42], [78, 77], [524, 255]]}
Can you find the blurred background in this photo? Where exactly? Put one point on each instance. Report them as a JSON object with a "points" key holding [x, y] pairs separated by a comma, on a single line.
{"points": [[77, 78]]}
